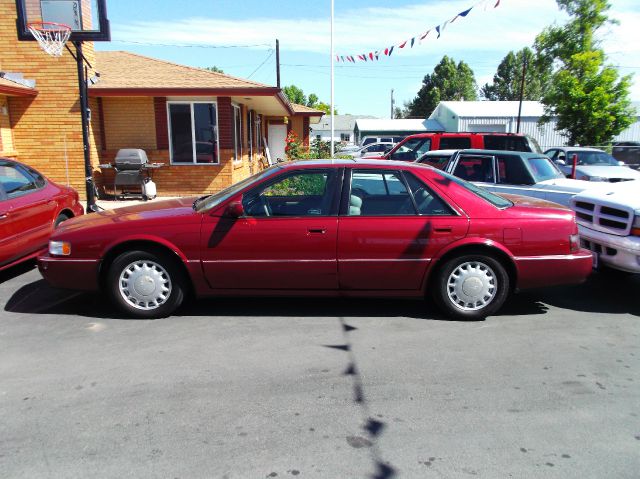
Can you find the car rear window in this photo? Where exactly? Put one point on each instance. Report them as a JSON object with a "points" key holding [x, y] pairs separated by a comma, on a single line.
{"points": [[506, 143], [495, 200]]}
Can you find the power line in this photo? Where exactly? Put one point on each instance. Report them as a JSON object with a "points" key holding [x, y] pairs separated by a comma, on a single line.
{"points": [[192, 45], [271, 51]]}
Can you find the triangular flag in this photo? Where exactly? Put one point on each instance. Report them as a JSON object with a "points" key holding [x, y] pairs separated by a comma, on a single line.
{"points": [[402, 46], [463, 14], [497, 3], [386, 51], [361, 57], [390, 50], [371, 55], [425, 35], [438, 30], [413, 40]]}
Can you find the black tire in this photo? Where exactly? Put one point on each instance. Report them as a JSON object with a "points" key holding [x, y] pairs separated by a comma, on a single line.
{"points": [[486, 267], [61, 217], [164, 306]]}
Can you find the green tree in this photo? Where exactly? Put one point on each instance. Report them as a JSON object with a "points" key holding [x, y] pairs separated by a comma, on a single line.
{"points": [[312, 101], [588, 98], [295, 94], [447, 82], [508, 78], [214, 69]]}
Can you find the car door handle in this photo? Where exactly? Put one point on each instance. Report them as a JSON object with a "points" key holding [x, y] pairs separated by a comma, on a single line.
{"points": [[443, 229], [317, 231], [4, 216]]}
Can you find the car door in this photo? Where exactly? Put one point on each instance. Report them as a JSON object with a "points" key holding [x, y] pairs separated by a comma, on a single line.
{"points": [[286, 239], [390, 227], [9, 239], [26, 211]]}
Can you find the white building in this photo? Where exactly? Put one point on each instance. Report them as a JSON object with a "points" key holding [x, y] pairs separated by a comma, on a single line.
{"points": [[502, 116], [342, 131]]}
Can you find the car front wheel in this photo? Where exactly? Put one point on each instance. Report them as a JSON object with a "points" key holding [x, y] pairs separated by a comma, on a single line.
{"points": [[471, 287], [146, 285]]}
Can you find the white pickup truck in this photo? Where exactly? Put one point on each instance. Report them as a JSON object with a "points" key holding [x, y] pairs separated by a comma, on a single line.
{"points": [[609, 224]]}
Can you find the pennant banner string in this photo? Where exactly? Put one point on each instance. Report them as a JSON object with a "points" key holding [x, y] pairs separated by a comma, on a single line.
{"points": [[375, 55]]}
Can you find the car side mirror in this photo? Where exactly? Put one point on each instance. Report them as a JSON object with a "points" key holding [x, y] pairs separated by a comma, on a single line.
{"points": [[235, 209]]}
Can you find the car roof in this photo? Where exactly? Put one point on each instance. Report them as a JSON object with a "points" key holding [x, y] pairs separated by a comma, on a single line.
{"points": [[346, 162], [440, 152], [526, 154], [463, 133], [574, 148]]}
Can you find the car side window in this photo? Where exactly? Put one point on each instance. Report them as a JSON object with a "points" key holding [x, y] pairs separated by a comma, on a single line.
{"points": [[379, 193], [512, 171], [303, 193], [454, 143], [426, 200], [475, 168], [15, 182]]}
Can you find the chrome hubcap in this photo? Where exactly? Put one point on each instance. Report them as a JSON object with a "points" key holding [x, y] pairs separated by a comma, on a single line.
{"points": [[145, 285], [472, 286]]}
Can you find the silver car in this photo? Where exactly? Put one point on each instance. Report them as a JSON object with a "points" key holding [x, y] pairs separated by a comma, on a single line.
{"points": [[592, 165]]}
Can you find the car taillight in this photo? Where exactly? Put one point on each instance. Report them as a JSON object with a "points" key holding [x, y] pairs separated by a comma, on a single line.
{"points": [[574, 243]]}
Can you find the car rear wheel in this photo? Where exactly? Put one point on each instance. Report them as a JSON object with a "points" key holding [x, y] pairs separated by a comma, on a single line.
{"points": [[146, 285], [471, 287]]}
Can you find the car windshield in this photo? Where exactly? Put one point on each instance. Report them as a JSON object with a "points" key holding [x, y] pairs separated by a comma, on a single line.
{"points": [[495, 200], [543, 169], [211, 201], [586, 158]]}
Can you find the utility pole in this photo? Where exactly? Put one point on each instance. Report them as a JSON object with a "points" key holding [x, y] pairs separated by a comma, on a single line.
{"points": [[524, 71], [332, 115], [277, 63], [392, 104]]}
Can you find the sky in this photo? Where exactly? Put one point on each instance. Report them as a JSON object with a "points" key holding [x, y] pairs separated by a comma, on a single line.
{"points": [[239, 37]]}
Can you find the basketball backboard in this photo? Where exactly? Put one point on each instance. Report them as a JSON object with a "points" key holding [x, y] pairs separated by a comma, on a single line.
{"points": [[87, 18]]}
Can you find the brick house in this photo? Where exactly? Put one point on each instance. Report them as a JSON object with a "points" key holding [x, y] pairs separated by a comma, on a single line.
{"points": [[208, 129]]}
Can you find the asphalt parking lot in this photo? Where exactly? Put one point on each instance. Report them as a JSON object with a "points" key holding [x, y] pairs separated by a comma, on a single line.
{"points": [[257, 388]]}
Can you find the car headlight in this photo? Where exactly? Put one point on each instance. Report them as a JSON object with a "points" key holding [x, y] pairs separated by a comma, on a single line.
{"points": [[635, 228], [59, 248]]}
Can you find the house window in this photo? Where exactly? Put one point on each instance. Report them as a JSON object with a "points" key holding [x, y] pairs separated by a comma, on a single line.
{"points": [[345, 137], [318, 137], [193, 132], [237, 134]]}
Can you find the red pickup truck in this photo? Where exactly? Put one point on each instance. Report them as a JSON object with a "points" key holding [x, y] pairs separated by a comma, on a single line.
{"points": [[414, 146]]}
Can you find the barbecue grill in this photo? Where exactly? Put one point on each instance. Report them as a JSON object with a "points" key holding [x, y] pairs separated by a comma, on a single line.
{"points": [[132, 170]]}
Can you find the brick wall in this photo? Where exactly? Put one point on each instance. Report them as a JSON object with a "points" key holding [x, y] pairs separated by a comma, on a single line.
{"points": [[130, 123], [47, 127]]}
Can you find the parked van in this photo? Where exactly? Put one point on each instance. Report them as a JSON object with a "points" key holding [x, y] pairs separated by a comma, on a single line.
{"points": [[414, 146], [367, 140]]}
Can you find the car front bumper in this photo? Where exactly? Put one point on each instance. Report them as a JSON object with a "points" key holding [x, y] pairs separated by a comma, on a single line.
{"points": [[69, 273], [618, 252]]}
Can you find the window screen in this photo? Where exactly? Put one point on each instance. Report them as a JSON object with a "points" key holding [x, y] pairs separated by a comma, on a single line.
{"points": [[475, 168], [427, 202], [379, 193], [506, 143], [454, 143], [512, 171]]}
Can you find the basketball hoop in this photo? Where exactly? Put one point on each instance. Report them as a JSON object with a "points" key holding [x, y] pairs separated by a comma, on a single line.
{"points": [[50, 36]]}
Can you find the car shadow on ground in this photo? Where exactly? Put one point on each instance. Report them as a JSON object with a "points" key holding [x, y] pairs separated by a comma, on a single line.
{"points": [[609, 292], [39, 298], [15, 271]]}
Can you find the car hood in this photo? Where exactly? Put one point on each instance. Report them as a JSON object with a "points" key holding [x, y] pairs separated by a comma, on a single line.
{"points": [[146, 211], [570, 185], [621, 172], [625, 194]]}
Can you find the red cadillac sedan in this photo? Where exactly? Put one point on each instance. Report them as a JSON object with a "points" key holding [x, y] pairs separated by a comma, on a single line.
{"points": [[31, 206], [324, 228]]}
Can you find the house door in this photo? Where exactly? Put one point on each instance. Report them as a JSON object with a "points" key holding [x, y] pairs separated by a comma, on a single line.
{"points": [[277, 137]]}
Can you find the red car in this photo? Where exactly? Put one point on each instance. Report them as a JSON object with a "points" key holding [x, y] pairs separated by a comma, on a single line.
{"points": [[31, 206], [415, 146], [324, 228]]}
